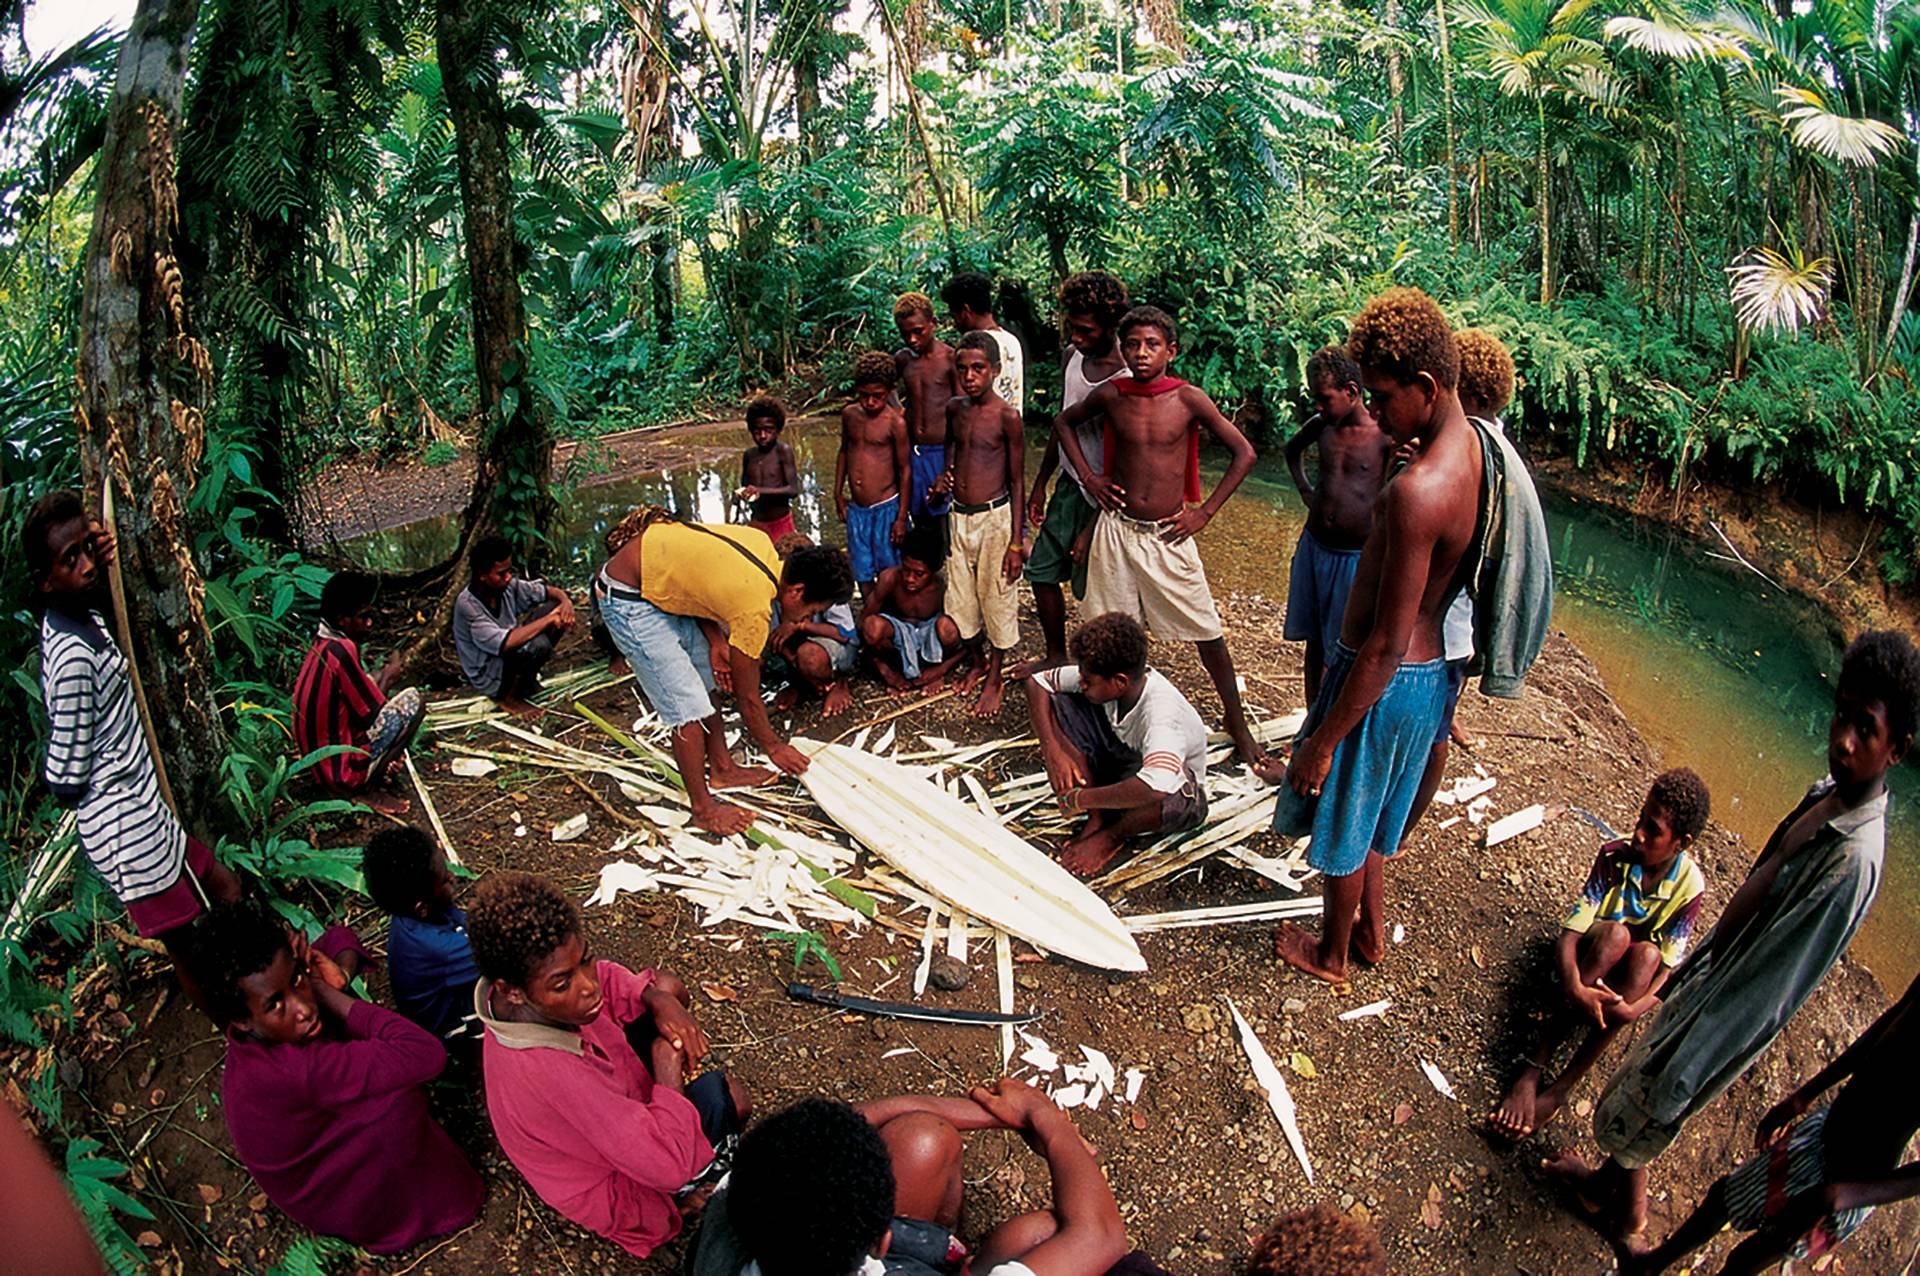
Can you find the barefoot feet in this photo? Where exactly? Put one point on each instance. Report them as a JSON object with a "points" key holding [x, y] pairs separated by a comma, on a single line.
{"points": [[1087, 854], [385, 803], [723, 818], [741, 777], [1514, 1116], [1301, 950], [837, 702], [990, 697], [520, 708], [1271, 769]]}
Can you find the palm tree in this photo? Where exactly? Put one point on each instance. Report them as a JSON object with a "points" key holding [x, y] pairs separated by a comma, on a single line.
{"points": [[1536, 49]]}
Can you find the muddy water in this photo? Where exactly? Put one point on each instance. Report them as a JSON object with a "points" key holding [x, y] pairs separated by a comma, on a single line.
{"points": [[1719, 670]]}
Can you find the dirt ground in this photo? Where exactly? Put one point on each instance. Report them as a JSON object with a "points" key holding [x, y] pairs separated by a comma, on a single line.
{"points": [[1206, 1164]]}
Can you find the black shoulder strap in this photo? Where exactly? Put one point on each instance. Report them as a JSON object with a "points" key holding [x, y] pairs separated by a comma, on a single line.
{"points": [[744, 551]]}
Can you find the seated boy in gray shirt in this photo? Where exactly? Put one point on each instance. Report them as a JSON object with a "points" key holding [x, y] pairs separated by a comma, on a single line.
{"points": [[505, 627]]}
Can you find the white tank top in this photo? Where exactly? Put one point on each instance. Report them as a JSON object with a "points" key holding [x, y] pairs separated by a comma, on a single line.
{"points": [[1091, 433]]}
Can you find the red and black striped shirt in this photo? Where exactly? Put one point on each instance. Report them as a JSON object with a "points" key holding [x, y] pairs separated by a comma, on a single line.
{"points": [[334, 702]]}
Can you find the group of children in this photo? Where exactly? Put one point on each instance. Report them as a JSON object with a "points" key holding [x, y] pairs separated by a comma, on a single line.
{"points": [[593, 1072]]}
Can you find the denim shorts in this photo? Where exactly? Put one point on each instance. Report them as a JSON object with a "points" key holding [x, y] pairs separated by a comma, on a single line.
{"points": [[669, 658]]}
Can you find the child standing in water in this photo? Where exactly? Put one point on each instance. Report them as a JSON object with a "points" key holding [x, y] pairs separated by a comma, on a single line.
{"points": [[983, 476], [1353, 464], [873, 467], [769, 479]]}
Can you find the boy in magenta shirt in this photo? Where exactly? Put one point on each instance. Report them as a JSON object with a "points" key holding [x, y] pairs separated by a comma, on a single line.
{"points": [[607, 1139], [325, 1094]]}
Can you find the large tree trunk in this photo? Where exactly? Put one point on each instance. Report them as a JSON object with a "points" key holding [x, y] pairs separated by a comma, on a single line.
{"points": [[1546, 217], [511, 482], [141, 388], [1396, 71], [1446, 105]]}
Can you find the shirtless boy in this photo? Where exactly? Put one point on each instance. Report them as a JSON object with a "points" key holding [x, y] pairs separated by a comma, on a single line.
{"points": [[985, 469], [903, 627], [873, 464], [1627, 931], [769, 479], [1092, 303], [1360, 753], [1142, 560], [1354, 452], [927, 381]]}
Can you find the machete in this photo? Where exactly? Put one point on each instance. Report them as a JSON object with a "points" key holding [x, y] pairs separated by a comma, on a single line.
{"points": [[903, 1010]]}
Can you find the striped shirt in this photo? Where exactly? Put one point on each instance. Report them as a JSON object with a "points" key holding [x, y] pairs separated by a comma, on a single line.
{"points": [[334, 702], [97, 759], [1162, 727]]}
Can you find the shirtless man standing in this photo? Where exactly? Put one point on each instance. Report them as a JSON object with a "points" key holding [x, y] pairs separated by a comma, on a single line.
{"points": [[873, 464], [1354, 452], [1359, 756], [927, 381]]}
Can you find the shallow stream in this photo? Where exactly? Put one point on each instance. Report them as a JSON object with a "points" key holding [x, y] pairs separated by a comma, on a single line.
{"points": [[1718, 669]]}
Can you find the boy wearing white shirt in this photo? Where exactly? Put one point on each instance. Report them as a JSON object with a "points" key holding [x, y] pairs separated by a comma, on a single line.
{"points": [[1119, 741]]}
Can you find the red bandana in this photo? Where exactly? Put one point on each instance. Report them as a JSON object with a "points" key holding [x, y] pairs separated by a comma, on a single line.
{"points": [[1148, 389]]}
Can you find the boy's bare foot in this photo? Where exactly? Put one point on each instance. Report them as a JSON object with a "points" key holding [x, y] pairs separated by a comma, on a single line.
{"points": [[619, 667], [932, 685], [971, 679], [1576, 1177], [892, 678], [1367, 950], [520, 708], [990, 697], [1514, 1117], [1547, 1104], [789, 696], [1271, 769], [723, 818], [1460, 737], [1087, 855], [837, 702], [1301, 950], [385, 803], [741, 777]]}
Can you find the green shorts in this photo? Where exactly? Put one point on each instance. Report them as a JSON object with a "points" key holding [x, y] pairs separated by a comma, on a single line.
{"points": [[1068, 514]]}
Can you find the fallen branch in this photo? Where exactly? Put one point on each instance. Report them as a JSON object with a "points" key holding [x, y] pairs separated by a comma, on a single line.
{"points": [[901, 712], [433, 812], [620, 817]]}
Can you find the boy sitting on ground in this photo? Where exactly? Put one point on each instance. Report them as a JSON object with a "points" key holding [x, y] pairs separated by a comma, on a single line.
{"points": [[98, 760], [325, 1095], [912, 641], [505, 627], [1354, 451], [1625, 935], [984, 546], [430, 964], [1821, 1172], [814, 654], [616, 1143], [1092, 304], [769, 478], [824, 1189], [1142, 560], [1774, 943], [873, 466], [927, 380], [335, 702], [1119, 741]]}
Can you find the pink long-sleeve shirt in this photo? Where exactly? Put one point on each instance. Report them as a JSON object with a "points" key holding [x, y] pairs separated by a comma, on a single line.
{"points": [[580, 1117], [337, 1134]]}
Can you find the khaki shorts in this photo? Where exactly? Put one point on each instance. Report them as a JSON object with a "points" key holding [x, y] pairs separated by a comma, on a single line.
{"points": [[979, 595], [1132, 571]]}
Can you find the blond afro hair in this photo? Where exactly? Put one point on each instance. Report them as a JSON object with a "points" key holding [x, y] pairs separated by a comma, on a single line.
{"points": [[1486, 371], [1317, 1241], [875, 367], [1401, 333], [912, 303]]}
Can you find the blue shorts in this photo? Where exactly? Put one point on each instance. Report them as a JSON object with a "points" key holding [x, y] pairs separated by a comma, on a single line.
{"points": [[669, 658], [870, 547], [1376, 770], [1317, 593], [928, 463], [1456, 683]]}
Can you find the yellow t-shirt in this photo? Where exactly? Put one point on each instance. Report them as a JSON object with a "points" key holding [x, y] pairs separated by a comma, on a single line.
{"points": [[693, 571]]}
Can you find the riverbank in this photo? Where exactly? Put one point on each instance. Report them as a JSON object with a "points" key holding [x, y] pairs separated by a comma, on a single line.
{"points": [[1200, 1162]]}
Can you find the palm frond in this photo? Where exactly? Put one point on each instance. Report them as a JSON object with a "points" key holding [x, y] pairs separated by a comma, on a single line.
{"points": [[1779, 292], [1662, 38], [1848, 139]]}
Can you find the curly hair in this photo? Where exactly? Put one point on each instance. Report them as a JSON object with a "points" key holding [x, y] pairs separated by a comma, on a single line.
{"points": [[1148, 317], [1110, 645], [875, 367], [821, 571], [487, 553], [1402, 333], [812, 1190], [345, 593], [1882, 665], [981, 342], [398, 866], [1333, 367], [789, 542], [971, 289], [1317, 1241], [1486, 371], [62, 505], [230, 942], [925, 544], [1097, 294], [515, 921], [767, 408], [1683, 796], [912, 303]]}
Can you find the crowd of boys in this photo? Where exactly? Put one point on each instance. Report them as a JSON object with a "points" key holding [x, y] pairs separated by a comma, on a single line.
{"points": [[1421, 559]]}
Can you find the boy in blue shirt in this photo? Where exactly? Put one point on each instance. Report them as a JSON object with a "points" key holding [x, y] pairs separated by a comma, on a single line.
{"points": [[429, 961]]}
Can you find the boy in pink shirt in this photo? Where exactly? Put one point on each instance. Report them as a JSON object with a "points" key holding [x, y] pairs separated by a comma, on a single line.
{"points": [[609, 1140]]}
